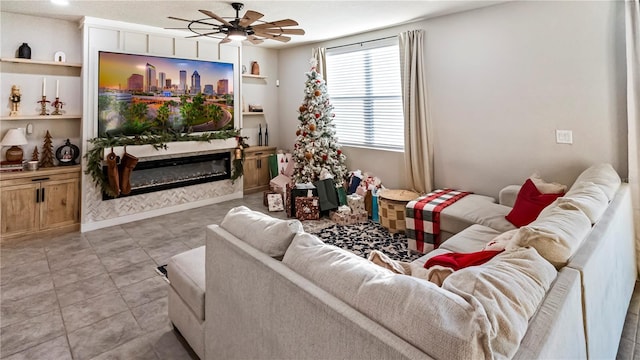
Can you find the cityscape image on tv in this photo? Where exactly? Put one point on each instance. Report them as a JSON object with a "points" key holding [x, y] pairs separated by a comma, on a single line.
{"points": [[140, 93]]}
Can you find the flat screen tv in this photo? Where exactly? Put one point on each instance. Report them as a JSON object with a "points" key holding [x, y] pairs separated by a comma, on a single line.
{"points": [[138, 94]]}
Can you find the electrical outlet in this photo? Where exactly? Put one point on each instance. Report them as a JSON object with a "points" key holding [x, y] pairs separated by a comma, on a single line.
{"points": [[564, 137]]}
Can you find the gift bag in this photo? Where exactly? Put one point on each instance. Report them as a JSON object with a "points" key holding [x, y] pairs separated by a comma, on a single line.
{"points": [[327, 194]]}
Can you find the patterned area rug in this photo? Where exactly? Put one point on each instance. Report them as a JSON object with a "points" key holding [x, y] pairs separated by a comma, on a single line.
{"points": [[360, 239]]}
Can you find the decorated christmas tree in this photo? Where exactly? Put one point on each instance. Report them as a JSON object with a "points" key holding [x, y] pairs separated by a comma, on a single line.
{"points": [[47, 152], [316, 149]]}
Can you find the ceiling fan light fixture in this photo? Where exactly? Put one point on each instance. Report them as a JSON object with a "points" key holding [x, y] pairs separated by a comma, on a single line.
{"points": [[237, 35]]}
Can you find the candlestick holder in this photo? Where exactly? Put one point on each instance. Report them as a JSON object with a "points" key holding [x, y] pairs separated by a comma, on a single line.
{"points": [[58, 105], [43, 105]]}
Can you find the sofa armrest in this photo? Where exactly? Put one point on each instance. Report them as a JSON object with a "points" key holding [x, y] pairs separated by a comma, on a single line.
{"points": [[508, 195]]}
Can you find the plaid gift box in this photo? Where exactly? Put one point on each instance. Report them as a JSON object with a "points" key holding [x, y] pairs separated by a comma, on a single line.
{"points": [[349, 218], [307, 208]]}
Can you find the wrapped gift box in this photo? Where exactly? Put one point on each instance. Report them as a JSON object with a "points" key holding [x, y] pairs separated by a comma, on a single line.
{"points": [[341, 218], [356, 203], [265, 194], [307, 208], [292, 192]]}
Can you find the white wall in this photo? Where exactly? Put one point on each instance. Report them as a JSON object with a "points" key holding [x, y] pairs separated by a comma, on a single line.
{"points": [[501, 80]]}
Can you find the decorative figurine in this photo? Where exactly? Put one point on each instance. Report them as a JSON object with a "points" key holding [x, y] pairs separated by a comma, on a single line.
{"points": [[43, 105], [15, 100], [58, 105]]}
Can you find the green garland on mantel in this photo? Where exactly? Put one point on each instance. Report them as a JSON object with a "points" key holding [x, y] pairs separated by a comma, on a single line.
{"points": [[158, 141]]}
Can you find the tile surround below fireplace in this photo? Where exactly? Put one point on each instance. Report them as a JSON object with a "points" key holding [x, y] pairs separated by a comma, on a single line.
{"points": [[98, 213]]}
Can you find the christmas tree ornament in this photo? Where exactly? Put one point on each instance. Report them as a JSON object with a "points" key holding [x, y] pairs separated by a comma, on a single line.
{"points": [[312, 127], [317, 93], [308, 155], [298, 132]]}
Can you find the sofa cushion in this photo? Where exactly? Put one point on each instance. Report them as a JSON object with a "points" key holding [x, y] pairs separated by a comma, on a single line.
{"points": [[474, 209], [529, 204], [474, 238], [556, 234], [267, 234], [436, 321], [602, 175], [507, 290], [186, 273], [587, 197]]}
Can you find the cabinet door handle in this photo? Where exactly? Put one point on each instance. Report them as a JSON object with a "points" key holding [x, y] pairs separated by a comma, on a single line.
{"points": [[40, 179], [37, 196], [42, 197]]}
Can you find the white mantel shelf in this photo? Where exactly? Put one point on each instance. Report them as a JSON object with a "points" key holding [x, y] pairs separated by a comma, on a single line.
{"points": [[174, 148]]}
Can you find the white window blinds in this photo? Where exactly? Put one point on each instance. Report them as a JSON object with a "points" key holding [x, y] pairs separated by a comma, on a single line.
{"points": [[363, 81]]}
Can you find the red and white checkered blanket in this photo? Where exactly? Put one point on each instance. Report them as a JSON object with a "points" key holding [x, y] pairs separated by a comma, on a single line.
{"points": [[423, 218]]}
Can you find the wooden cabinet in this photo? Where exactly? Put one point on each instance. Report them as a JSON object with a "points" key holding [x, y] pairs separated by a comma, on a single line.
{"points": [[46, 200], [256, 168]]}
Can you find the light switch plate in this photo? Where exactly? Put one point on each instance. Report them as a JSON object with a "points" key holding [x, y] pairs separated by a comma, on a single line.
{"points": [[564, 137]]}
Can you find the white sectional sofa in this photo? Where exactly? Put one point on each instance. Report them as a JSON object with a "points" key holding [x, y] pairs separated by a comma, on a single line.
{"points": [[323, 302]]}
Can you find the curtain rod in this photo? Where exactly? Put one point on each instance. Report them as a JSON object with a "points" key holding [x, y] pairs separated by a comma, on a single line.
{"points": [[362, 42]]}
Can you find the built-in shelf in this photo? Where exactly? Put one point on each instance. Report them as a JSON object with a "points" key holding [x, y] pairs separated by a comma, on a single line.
{"points": [[250, 76], [41, 117], [40, 62], [252, 113]]}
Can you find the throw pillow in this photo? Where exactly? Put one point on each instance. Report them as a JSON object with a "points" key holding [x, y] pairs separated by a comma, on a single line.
{"points": [[529, 204], [265, 233], [547, 187]]}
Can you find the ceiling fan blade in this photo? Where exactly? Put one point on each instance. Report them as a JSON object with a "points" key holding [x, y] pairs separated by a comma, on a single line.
{"points": [[254, 40], [281, 38], [249, 17], [281, 31], [225, 40], [214, 16], [275, 24], [204, 34], [193, 21]]}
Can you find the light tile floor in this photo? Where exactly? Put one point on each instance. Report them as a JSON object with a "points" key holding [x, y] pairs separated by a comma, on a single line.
{"points": [[96, 295]]}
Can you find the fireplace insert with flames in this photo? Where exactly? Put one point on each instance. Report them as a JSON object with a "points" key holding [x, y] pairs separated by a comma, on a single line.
{"points": [[156, 175]]}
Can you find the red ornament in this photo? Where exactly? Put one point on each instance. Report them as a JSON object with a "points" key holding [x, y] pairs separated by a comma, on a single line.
{"points": [[317, 116], [304, 134], [339, 152], [324, 157]]}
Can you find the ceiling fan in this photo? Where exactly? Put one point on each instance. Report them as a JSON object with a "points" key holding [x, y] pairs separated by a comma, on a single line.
{"points": [[240, 28]]}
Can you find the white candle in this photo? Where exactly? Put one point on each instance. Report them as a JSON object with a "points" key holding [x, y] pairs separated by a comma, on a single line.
{"points": [[57, 87], [44, 85]]}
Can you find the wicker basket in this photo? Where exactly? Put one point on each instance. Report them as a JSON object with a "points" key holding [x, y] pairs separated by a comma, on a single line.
{"points": [[391, 207]]}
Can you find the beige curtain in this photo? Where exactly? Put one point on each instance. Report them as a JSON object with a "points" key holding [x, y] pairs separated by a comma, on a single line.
{"points": [[319, 55], [418, 140], [633, 106]]}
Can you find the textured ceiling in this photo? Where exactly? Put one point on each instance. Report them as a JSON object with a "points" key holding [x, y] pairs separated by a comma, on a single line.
{"points": [[322, 20]]}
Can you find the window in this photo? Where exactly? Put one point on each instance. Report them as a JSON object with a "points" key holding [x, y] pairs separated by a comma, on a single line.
{"points": [[363, 81]]}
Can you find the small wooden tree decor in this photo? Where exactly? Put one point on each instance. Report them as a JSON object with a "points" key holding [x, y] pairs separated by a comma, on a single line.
{"points": [[34, 156], [47, 152]]}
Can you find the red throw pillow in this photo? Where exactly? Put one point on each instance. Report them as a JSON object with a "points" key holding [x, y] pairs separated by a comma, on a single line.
{"points": [[529, 204]]}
